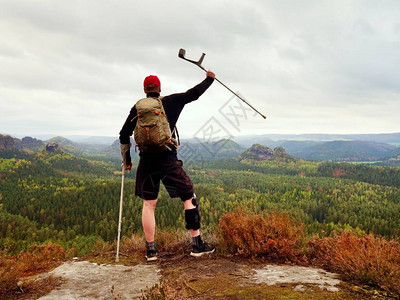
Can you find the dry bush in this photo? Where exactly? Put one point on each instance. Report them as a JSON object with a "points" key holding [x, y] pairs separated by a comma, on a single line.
{"points": [[171, 241], [41, 258], [9, 273], [133, 243], [274, 235], [368, 259], [103, 249], [166, 241]]}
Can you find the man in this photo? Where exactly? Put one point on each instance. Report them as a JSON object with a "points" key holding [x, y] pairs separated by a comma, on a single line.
{"points": [[164, 166]]}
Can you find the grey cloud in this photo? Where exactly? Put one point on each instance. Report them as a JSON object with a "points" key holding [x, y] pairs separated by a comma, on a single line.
{"points": [[317, 55], [46, 15]]}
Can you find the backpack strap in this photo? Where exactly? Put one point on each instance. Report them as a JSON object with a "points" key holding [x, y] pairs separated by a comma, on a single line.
{"points": [[137, 116], [177, 134], [175, 130]]}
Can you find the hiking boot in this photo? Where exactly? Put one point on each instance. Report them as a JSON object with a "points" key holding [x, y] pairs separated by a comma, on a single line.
{"points": [[151, 252], [151, 255], [205, 248]]}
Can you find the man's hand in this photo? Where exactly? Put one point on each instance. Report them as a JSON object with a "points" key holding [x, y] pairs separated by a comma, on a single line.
{"points": [[210, 74], [126, 156], [128, 167]]}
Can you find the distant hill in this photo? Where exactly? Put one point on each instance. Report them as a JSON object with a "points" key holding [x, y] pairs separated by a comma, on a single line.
{"points": [[8, 142], [313, 149], [8, 146], [69, 146], [333, 147], [338, 150], [393, 157], [224, 148], [298, 148], [31, 143], [345, 151], [93, 140], [266, 139], [61, 140]]}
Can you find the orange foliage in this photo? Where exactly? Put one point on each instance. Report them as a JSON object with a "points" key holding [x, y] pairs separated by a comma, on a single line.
{"points": [[9, 274], [275, 235], [41, 258], [371, 260]]}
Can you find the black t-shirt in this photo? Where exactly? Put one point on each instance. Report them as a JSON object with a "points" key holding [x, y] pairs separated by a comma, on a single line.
{"points": [[173, 105]]}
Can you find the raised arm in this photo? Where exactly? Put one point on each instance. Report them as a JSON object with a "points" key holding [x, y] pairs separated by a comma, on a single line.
{"points": [[195, 92]]}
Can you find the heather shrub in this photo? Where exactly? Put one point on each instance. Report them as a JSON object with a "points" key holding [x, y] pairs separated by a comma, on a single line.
{"points": [[166, 240], [273, 235], [135, 242], [102, 248], [9, 273], [368, 259], [41, 258], [171, 240]]}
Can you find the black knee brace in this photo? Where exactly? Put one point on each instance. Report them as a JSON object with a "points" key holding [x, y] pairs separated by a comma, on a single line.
{"points": [[192, 218], [195, 201]]}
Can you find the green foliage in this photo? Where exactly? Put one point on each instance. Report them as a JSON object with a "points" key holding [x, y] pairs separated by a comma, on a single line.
{"points": [[372, 174], [371, 208], [9, 165], [6, 164], [75, 201]]}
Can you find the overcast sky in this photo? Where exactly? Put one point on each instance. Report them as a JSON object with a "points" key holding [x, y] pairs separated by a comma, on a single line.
{"points": [[77, 67]]}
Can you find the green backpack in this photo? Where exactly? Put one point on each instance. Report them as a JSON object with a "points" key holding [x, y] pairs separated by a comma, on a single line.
{"points": [[152, 132]]}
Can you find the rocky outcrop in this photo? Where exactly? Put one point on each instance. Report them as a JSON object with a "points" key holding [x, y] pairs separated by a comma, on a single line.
{"points": [[259, 153], [52, 147]]}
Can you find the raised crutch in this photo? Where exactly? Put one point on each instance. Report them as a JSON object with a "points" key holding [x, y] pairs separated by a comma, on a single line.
{"points": [[182, 53]]}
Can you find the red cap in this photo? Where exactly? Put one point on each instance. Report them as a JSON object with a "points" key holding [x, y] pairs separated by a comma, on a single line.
{"points": [[152, 80]]}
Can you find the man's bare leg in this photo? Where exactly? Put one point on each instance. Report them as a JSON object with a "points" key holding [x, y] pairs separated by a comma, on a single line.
{"points": [[148, 219], [149, 228]]}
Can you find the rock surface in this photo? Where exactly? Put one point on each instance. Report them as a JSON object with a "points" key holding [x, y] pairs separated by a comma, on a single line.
{"points": [[85, 280], [274, 274]]}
